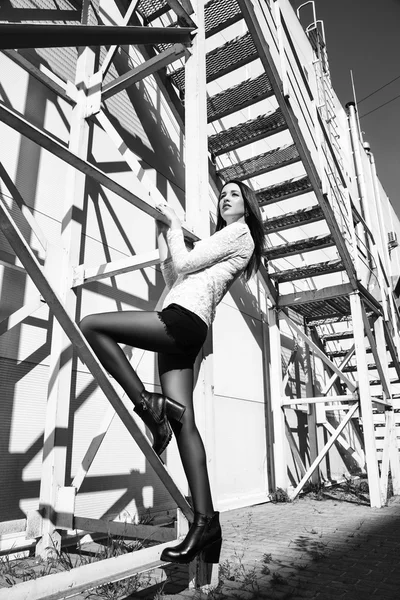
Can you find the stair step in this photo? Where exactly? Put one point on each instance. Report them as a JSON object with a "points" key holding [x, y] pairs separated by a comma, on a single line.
{"points": [[330, 266], [340, 335], [246, 133], [283, 191], [378, 381], [238, 97], [334, 308], [294, 219], [371, 367], [220, 14], [263, 163], [223, 60], [300, 246], [150, 10]]}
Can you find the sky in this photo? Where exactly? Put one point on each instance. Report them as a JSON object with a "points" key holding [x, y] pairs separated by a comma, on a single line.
{"points": [[364, 36]]}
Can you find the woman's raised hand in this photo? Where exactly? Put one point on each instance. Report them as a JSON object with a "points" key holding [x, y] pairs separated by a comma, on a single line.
{"points": [[168, 213]]}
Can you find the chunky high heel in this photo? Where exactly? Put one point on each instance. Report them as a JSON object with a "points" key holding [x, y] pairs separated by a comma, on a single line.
{"points": [[211, 553], [155, 410], [203, 538]]}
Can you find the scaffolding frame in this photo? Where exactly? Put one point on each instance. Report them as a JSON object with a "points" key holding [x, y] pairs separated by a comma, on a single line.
{"points": [[372, 319]]}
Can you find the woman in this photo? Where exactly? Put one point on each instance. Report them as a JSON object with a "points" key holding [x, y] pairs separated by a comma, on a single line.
{"points": [[197, 281]]}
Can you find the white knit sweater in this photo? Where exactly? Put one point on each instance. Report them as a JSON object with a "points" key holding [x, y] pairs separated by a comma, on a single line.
{"points": [[198, 279]]}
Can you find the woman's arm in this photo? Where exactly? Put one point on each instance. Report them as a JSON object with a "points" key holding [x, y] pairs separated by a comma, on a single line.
{"points": [[167, 266], [162, 230], [231, 240]]}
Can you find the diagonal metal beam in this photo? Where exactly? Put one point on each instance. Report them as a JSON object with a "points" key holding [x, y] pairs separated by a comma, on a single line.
{"points": [[85, 353], [60, 36], [4, 176], [111, 51], [142, 201], [144, 70]]}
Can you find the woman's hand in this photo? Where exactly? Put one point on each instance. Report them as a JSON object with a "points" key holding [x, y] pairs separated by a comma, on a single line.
{"points": [[169, 214]]}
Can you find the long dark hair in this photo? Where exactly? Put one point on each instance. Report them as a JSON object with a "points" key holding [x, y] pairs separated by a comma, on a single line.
{"points": [[253, 219]]}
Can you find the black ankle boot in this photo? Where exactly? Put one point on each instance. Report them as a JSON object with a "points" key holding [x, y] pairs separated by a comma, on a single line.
{"points": [[155, 410], [204, 537]]}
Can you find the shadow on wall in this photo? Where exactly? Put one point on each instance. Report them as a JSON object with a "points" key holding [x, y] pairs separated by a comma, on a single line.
{"points": [[166, 158]]}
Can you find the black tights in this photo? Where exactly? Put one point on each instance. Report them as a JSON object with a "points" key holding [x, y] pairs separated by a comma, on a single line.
{"points": [[144, 330]]}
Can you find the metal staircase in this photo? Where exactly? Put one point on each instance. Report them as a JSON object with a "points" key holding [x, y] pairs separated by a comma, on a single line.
{"points": [[337, 301]]}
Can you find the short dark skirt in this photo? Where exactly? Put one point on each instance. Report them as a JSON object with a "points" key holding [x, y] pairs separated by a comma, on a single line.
{"points": [[188, 331]]}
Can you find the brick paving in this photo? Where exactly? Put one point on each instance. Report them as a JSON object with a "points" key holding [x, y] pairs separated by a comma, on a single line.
{"points": [[308, 549]]}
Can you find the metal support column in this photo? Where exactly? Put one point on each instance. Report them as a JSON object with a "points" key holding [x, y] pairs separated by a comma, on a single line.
{"points": [[365, 401]]}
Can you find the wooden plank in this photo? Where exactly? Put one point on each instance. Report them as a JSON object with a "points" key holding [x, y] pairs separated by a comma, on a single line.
{"points": [[85, 353], [319, 399], [124, 530], [365, 401], [324, 451], [82, 275], [319, 295], [334, 377], [79, 579], [352, 387], [141, 199], [144, 70], [342, 441], [58, 263], [21, 314]]}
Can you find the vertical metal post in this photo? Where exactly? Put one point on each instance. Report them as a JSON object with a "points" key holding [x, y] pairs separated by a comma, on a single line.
{"points": [[279, 442], [196, 143], [365, 401], [197, 218], [311, 413], [59, 389]]}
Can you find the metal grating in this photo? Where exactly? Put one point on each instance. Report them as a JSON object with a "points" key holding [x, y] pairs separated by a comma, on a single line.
{"points": [[330, 266], [224, 59], [247, 132], [269, 161], [341, 335], [293, 219], [336, 307], [240, 96], [152, 9], [219, 14], [300, 246], [283, 191]]}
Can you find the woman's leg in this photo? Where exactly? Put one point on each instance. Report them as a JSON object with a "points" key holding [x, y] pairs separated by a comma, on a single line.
{"points": [[144, 330], [178, 384]]}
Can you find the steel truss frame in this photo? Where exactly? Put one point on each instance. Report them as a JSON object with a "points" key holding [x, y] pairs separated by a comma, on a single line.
{"points": [[57, 502]]}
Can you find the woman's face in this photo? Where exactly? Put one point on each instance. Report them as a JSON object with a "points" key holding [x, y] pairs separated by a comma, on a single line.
{"points": [[231, 203]]}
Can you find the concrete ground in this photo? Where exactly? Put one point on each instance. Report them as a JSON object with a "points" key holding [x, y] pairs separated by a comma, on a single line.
{"points": [[325, 549]]}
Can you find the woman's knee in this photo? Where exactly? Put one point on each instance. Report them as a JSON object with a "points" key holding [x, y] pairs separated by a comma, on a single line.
{"points": [[88, 324]]}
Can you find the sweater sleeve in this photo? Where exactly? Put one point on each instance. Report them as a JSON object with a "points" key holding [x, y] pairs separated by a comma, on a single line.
{"points": [[168, 272], [218, 247]]}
